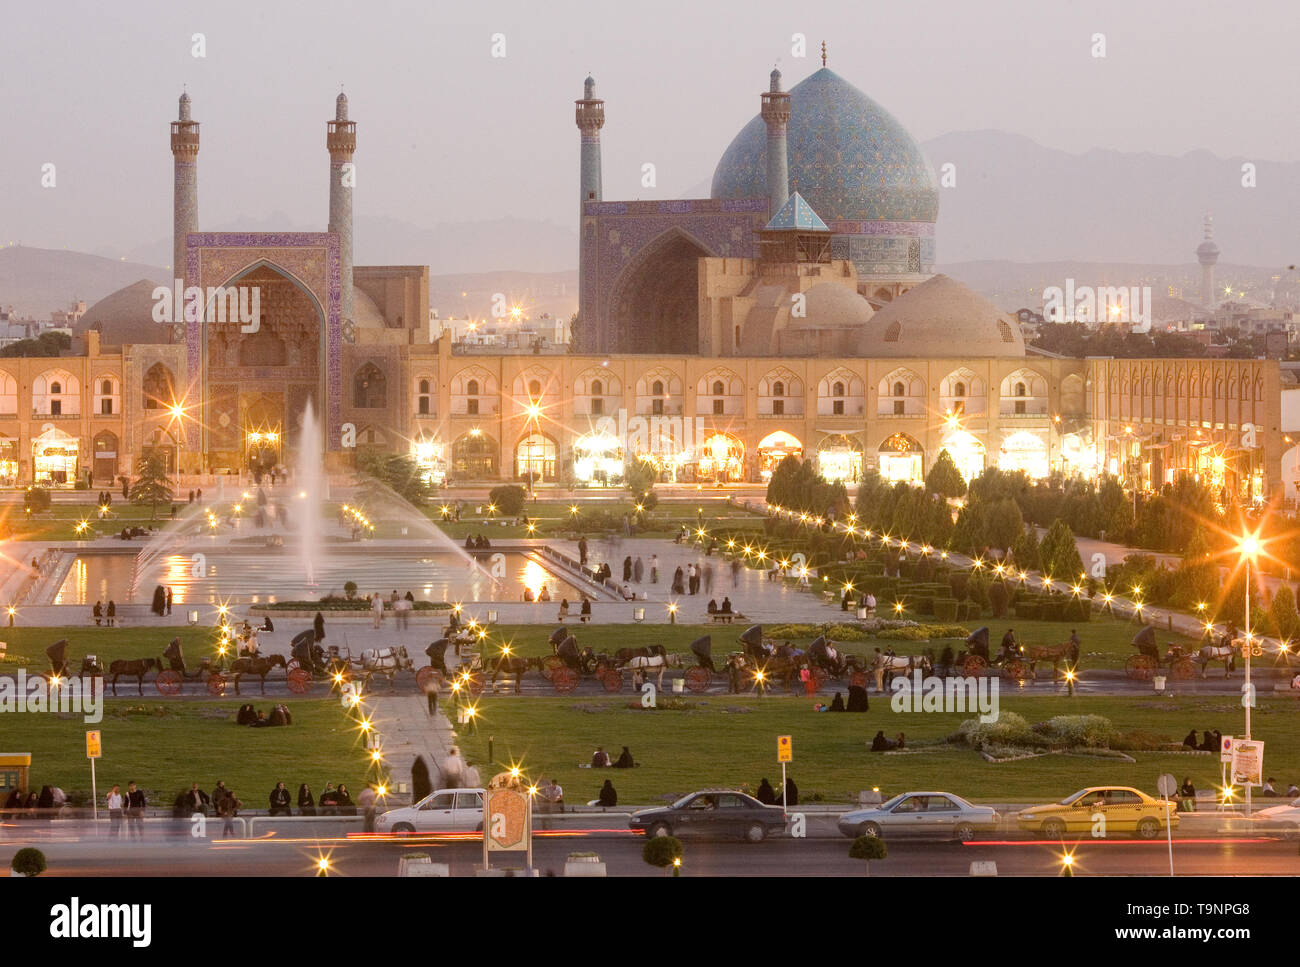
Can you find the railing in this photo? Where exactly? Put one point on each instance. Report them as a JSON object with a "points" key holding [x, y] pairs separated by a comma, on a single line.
{"points": [[38, 415]]}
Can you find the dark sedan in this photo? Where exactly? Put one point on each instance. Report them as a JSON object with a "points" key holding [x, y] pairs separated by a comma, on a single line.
{"points": [[713, 812]]}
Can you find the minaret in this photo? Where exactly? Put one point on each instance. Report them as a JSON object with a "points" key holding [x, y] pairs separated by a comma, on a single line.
{"points": [[776, 113], [185, 181], [590, 117], [341, 139], [589, 114], [1207, 253]]}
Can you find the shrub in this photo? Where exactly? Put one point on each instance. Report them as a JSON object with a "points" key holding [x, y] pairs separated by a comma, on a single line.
{"points": [[999, 597], [1011, 729], [28, 862], [1077, 610], [945, 609], [1072, 731], [509, 499], [36, 499], [868, 848], [660, 851], [350, 589]]}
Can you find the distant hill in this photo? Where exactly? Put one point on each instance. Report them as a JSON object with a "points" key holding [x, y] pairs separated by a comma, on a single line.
{"points": [[36, 281], [1018, 200]]}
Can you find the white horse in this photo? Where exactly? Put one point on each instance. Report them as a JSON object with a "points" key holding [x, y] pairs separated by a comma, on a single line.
{"points": [[1224, 653], [654, 664]]}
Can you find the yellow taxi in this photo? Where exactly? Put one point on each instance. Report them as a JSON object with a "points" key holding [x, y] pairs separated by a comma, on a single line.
{"points": [[1123, 809]]}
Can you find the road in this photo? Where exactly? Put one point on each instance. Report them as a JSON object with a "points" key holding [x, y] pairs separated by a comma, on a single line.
{"points": [[621, 852]]}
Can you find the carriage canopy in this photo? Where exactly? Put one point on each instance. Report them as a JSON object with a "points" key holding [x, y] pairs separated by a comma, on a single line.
{"points": [[1146, 638], [753, 636], [568, 648], [558, 635], [703, 647], [978, 640], [58, 652], [173, 650]]}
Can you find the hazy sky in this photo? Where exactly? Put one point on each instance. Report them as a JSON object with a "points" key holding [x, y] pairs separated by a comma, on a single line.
{"points": [[447, 133]]}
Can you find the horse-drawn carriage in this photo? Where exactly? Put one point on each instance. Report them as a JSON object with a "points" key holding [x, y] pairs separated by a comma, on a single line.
{"points": [[57, 653], [1148, 661], [570, 662], [826, 662]]}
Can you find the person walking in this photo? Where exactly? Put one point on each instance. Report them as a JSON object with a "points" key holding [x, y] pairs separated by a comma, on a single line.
{"points": [[134, 808], [366, 800], [638, 570], [169, 599], [627, 569], [735, 572], [318, 627], [708, 579], [654, 568], [582, 551], [377, 607], [115, 801]]}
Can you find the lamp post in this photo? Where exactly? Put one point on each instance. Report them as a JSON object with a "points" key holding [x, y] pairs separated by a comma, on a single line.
{"points": [[1249, 547]]}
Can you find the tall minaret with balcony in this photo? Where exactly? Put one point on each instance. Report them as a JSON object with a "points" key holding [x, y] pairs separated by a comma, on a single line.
{"points": [[185, 181], [1207, 253], [341, 140], [776, 115], [589, 114]]}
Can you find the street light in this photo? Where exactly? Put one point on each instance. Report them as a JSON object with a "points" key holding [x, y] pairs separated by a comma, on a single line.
{"points": [[1248, 548]]}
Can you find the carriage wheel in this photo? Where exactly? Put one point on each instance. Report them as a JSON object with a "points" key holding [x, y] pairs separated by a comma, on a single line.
{"points": [[216, 684], [291, 664], [1140, 667], [474, 684], [698, 679], [1017, 669], [426, 675], [859, 679], [564, 679], [168, 683], [612, 680], [1181, 669], [299, 681], [549, 664], [974, 664]]}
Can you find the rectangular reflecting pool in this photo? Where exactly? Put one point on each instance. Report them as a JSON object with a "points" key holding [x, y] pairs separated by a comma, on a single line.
{"points": [[275, 575]]}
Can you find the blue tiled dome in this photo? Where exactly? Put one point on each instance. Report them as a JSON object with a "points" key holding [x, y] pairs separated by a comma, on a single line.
{"points": [[848, 157]]}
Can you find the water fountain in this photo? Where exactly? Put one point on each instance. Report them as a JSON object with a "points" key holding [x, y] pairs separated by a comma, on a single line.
{"points": [[308, 479]]}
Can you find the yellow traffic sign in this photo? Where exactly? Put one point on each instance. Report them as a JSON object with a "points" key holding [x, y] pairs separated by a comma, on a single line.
{"points": [[784, 749], [94, 749]]}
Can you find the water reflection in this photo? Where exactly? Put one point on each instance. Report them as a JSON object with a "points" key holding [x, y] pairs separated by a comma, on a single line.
{"points": [[254, 578]]}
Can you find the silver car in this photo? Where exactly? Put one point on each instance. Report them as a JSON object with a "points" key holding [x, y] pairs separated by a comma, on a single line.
{"points": [[921, 814]]}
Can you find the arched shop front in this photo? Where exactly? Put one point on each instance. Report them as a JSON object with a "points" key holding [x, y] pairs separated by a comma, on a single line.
{"points": [[430, 456], [774, 448], [474, 456], [55, 458], [967, 453], [598, 460], [721, 458], [902, 458], [535, 453], [839, 457], [1025, 452]]}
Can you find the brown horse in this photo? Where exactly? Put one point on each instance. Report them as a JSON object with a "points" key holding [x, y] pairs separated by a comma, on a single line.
{"points": [[259, 665], [1056, 654], [138, 667], [514, 665]]}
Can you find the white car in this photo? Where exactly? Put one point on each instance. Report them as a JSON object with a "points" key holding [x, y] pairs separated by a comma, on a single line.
{"points": [[1283, 820], [444, 811]]}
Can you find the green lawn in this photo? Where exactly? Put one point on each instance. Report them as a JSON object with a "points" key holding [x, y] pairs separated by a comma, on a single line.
{"points": [[26, 645], [554, 517], [1105, 640], [729, 741], [164, 746], [59, 523]]}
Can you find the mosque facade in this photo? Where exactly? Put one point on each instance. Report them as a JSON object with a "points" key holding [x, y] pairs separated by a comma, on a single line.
{"points": [[794, 311]]}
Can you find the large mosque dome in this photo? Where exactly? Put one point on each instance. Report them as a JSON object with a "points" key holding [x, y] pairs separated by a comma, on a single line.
{"points": [[125, 317], [848, 156], [941, 317]]}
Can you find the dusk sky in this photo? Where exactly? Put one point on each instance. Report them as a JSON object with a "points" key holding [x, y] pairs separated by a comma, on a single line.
{"points": [[448, 133]]}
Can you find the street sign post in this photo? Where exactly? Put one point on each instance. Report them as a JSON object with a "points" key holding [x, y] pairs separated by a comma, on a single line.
{"points": [[784, 754], [507, 823], [1167, 786], [94, 750]]}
